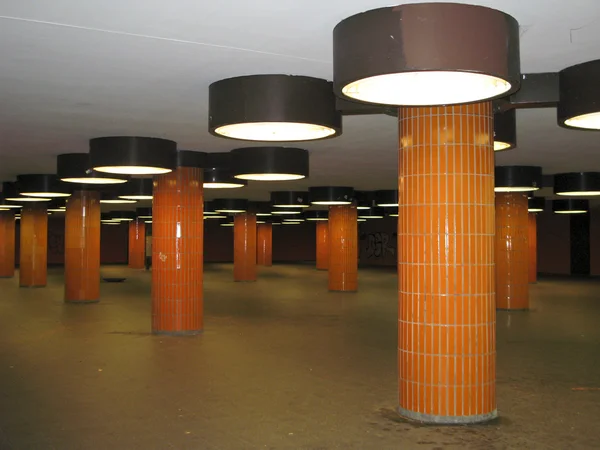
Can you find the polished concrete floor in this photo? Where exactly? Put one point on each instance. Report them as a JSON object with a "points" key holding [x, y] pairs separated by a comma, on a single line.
{"points": [[283, 364]]}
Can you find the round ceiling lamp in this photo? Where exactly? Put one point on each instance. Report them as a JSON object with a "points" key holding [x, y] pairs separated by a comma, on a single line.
{"points": [[269, 163], [210, 212], [76, 168], [144, 213], [123, 216], [579, 96], [111, 198], [316, 215], [386, 198], [274, 220], [209, 208], [227, 222], [426, 54], [580, 184], [11, 194], [290, 199], [136, 189], [4, 204], [273, 108], [517, 178], [570, 206], [57, 205], [536, 204], [391, 211], [505, 130], [230, 205], [192, 158], [41, 185], [261, 209], [372, 213], [331, 195], [286, 212], [130, 155], [364, 199], [108, 218], [217, 173]]}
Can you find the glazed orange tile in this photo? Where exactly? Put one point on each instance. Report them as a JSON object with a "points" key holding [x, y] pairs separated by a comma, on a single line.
{"points": [[82, 247], [33, 252]]}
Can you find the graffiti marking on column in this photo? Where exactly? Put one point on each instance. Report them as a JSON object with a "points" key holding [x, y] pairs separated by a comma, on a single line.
{"points": [[378, 245]]}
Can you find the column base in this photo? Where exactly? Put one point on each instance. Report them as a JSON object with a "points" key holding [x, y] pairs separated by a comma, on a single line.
{"points": [[244, 281], [512, 309], [178, 333], [36, 286], [322, 269], [75, 302], [447, 420]]}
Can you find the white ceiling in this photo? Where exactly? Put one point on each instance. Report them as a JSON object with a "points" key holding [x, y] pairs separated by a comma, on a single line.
{"points": [[71, 70]]}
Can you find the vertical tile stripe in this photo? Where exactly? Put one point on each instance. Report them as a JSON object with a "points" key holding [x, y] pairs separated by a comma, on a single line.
{"points": [[343, 248], [322, 245], [446, 310], [137, 244], [264, 244], [33, 246], [512, 251], [177, 252], [532, 247], [244, 247], [7, 244], [82, 247]]}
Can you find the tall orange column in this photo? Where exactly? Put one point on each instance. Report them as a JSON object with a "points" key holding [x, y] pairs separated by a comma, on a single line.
{"points": [[446, 311], [322, 245], [82, 247], [7, 244], [532, 247], [137, 244], [343, 248], [244, 247], [264, 244], [33, 254], [177, 252], [512, 251]]}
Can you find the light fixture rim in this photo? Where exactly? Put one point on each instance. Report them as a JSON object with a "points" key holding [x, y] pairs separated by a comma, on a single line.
{"points": [[273, 98], [353, 62]]}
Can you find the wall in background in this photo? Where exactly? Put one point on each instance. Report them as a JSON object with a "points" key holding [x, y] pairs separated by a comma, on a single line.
{"points": [[595, 242], [113, 244], [554, 243], [295, 242], [378, 241], [290, 242], [218, 242]]}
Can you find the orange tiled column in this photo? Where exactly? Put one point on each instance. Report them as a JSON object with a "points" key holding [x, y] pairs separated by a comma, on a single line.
{"points": [[177, 252], [33, 255], [512, 251], [7, 244], [244, 247], [447, 319], [322, 245], [343, 248], [137, 244], [264, 244], [532, 247], [82, 247]]}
